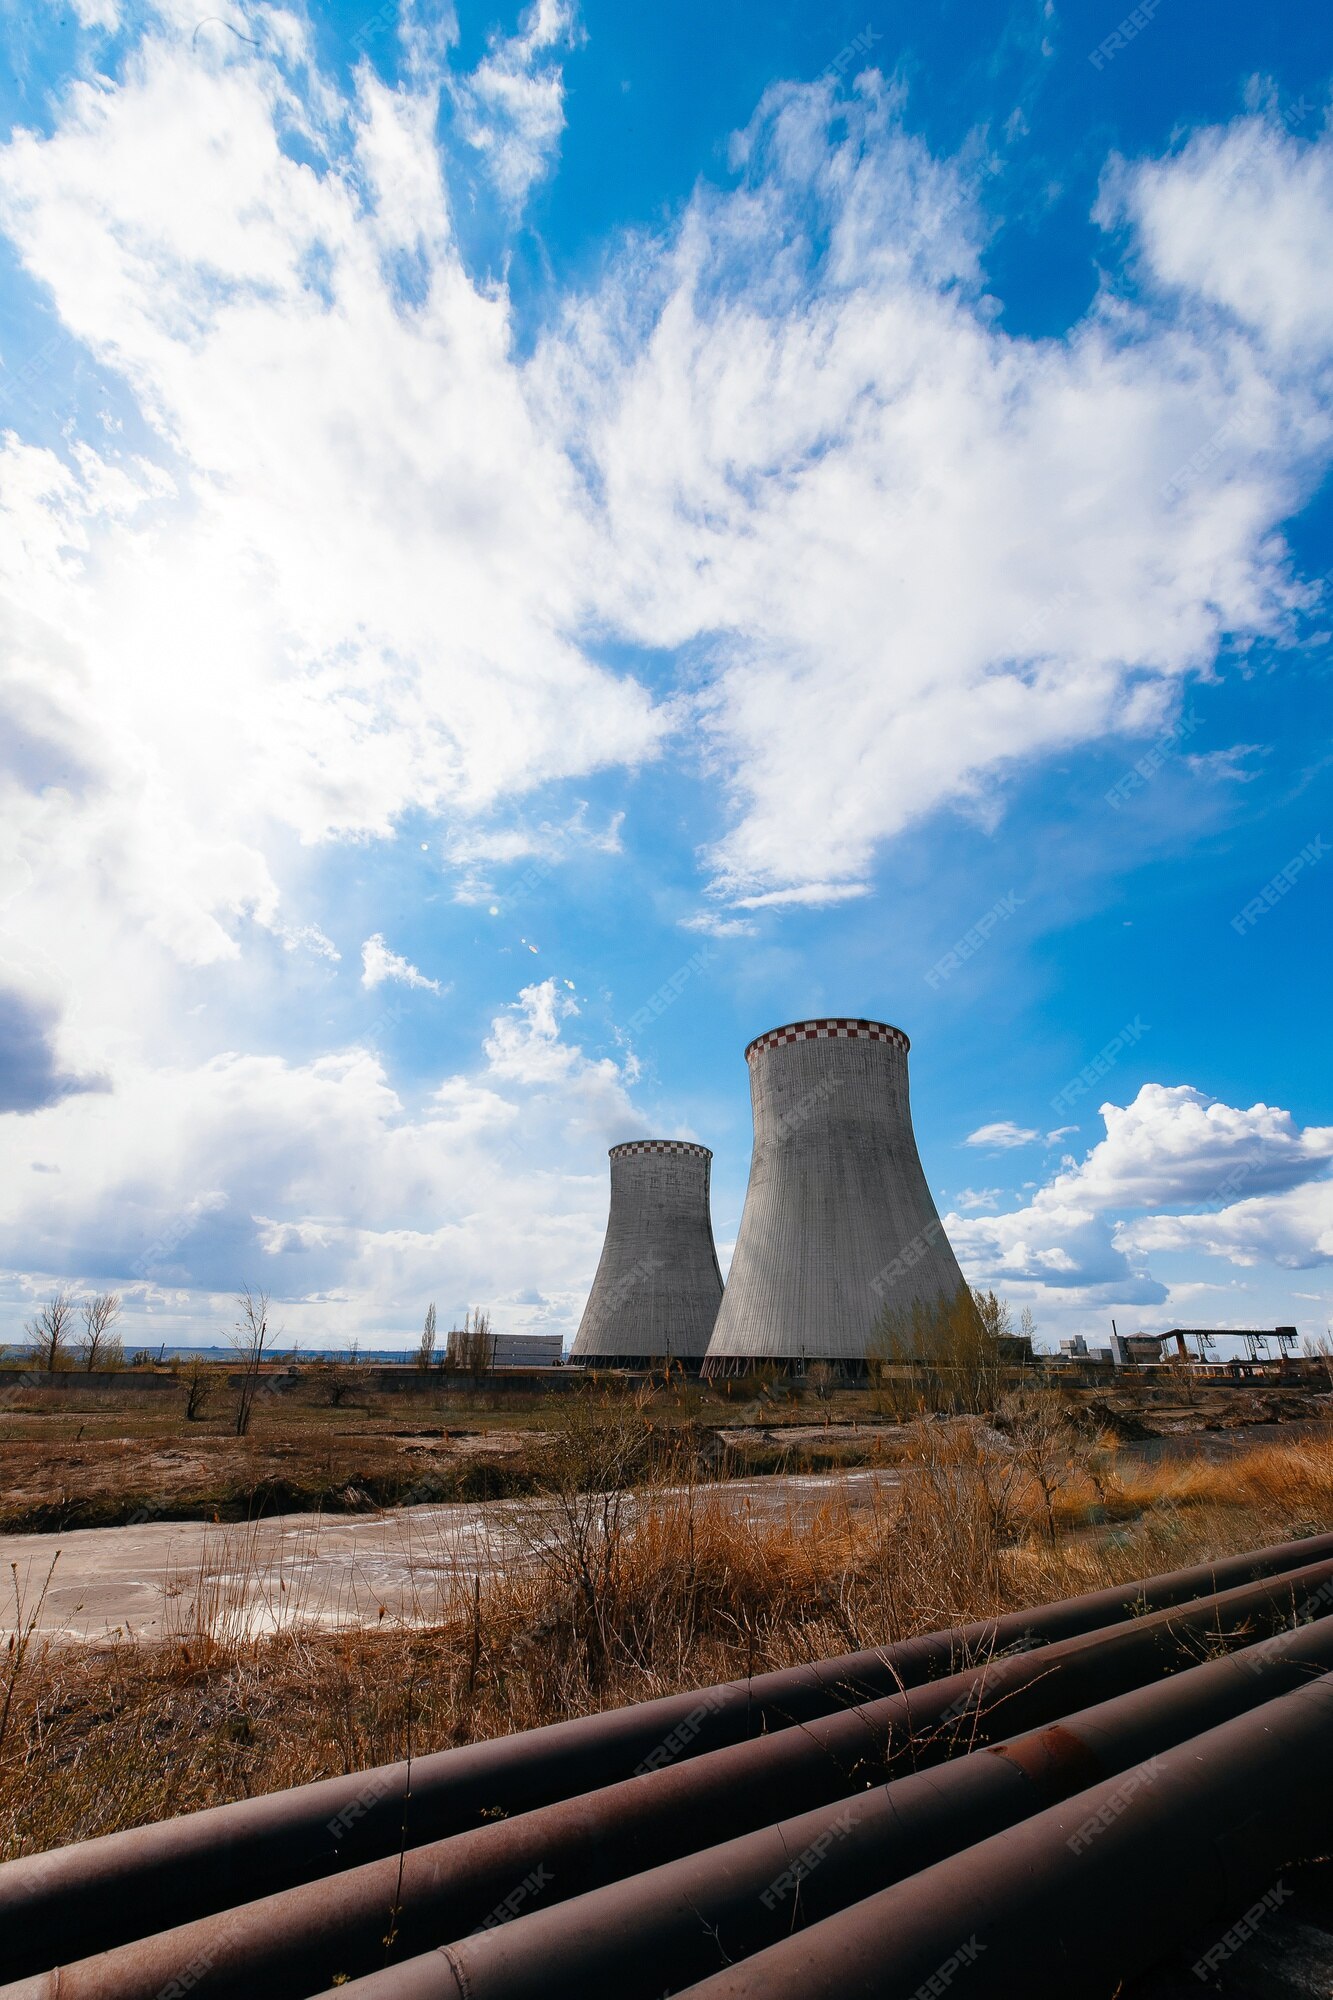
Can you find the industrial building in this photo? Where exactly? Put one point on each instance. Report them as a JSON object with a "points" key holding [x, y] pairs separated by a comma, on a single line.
{"points": [[839, 1228], [657, 1289], [503, 1350]]}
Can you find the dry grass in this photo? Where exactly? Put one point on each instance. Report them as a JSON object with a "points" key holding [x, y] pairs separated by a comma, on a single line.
{"points": [[670, 1587]]}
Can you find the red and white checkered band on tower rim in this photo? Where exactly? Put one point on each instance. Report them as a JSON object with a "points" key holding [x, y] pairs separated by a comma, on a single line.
{"points": [[839, 1030], [661, 1146]]}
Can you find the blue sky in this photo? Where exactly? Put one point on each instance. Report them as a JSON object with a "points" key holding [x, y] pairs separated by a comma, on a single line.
{"points": [[509, 515]]}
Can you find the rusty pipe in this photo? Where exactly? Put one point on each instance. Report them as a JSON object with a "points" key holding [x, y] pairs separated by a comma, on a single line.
{"points": [[300, 1938], [679, 1922], [100, 1893], [1071, 1903]]}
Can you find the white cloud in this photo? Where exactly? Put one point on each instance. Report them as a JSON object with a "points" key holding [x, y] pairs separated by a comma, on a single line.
{"points": [[1176, 1144], [1172, 1145], [525, 1046], [790, 464], [972, 1198], [548, 841], [319, 1181], [1292, 1229], [1001, 1135], [713, 924], [98, 14], [1056, 1245], [307, 937], [803, 457], [1240, 217], [1229, 766], [378, 963], [511, 108], [478, 850], [353, 593], [808, 895]]}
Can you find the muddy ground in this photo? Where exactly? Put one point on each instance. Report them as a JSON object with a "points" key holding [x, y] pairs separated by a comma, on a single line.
{"points": [[175, 1580]]}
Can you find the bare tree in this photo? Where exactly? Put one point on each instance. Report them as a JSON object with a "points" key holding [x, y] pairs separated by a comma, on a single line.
{"points": [[1027, 1333], [50, 1333], [249, 1338], [100, 1346], [471, 1346], [426, 1350]]}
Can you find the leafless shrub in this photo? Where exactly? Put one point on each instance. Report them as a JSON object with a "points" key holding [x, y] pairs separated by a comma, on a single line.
{"points": [[577, 1528], [26, 1620], [1045, 1443], [249, 1337], [200, 1382], [1180, 1368], [1320, 1348], [342, 1380], [954, 1516], [821, 1379]]}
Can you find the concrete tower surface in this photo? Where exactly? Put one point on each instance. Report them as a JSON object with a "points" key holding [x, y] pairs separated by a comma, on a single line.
{"points": [[838, 1221], [658, 1285]]}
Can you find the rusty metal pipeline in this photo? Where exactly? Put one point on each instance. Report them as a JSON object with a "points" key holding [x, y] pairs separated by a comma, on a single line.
{"points": [[299, 1939], [104, 1892], [680, 1922], [1071, 1903]]}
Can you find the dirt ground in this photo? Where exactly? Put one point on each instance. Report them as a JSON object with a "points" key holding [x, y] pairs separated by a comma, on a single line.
{"points": [[70, 1458], [73, 1462], [115, 1471]]}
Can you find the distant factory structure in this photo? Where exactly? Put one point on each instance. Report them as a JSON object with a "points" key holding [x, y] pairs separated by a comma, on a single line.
{"points": [[838, 1236], [465, 1349], [1140, 1350], [658, 1286]]}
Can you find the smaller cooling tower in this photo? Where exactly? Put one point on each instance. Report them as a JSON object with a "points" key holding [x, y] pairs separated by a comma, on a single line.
{"points": [[838, 1223], [658, 1286]]}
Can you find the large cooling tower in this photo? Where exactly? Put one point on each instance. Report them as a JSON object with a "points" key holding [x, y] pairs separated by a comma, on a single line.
{"points": [[658, 1285], [838, 1221]]}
